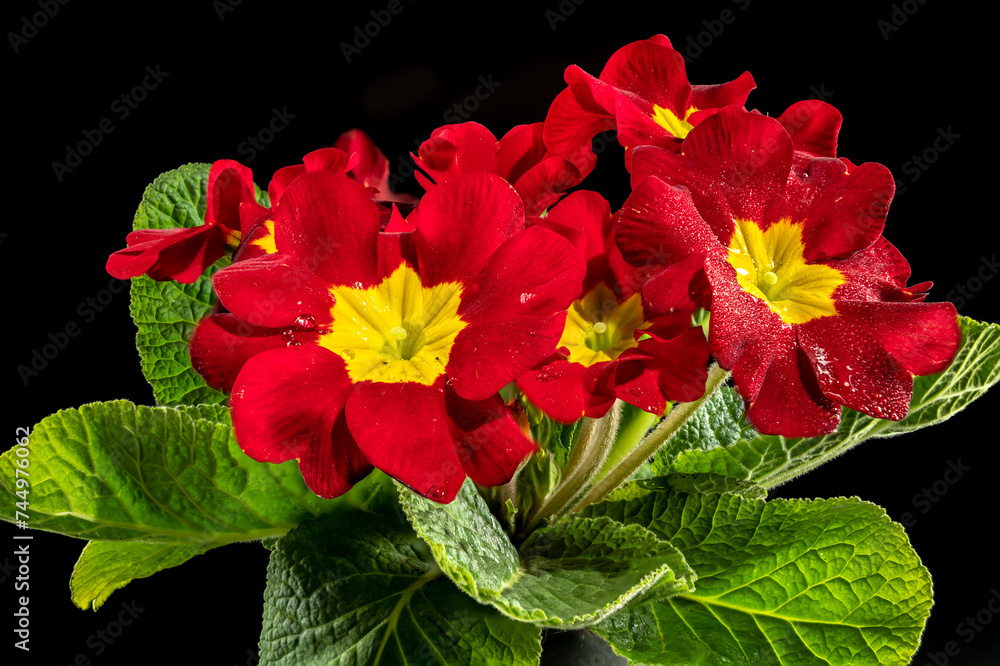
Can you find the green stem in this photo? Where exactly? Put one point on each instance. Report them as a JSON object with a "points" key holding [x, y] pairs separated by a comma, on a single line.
{"points": [[677, 417], [585, 461]]}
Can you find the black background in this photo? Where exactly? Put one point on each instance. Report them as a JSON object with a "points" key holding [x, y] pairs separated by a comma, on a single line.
{"points": [[898, 85]]}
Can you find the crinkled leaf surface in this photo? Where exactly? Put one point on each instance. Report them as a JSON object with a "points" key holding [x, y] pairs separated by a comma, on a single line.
{"points": [[359, 588], [783, 582], [718, 439], [566, 575], [117, 471], [167, 312]]}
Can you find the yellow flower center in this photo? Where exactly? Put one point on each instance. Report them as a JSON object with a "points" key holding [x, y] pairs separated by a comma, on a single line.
{"points": [[599, 328], [398, 331], [666, 119], [770, 266], [266, 240]]}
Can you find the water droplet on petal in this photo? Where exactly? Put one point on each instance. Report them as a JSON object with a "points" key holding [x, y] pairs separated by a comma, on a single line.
{"points": [[306, 321], [348, 354], [398, 332], [600, 327], [288, 335], [435, 493], [636, 391], [292, 343]]}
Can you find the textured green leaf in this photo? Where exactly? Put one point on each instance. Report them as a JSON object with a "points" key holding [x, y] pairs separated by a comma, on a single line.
{"points": [[116, 471], [699, 483], [719, 440], [105, 566], [167, 312], [567, 575], [360, 589], [783, 582]]}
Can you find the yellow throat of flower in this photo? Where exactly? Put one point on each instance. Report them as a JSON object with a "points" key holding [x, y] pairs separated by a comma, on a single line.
{"points": [[669, 121], [599, 328], [771, 266], [397, 331]]}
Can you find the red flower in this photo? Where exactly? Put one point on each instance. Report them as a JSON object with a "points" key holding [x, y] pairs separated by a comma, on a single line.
{"points": [[642, 92], [183, 254], [610, 347], [519, 157], [372, 168], [809, 303], [349, 348]]}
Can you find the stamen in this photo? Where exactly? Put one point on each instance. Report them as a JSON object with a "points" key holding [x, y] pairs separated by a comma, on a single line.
{"points": [[770, 278], [398, 332], [600, 327]]}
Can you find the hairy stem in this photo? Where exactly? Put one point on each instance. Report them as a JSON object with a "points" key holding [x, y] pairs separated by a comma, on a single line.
{"points": [[677, 417]]}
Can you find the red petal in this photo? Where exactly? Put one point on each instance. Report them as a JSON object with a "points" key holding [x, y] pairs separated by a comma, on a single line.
{"points": [[569, 129], [545, 183], [557, 388], [403, 429], [222, 344], [455, 150], [842, 212], [922, 337], [185, 259], [520, 149], [286, 403], [334, 463], [272, 291], [734, 163], [813, 126], [664, 370], [329, 225], [733, 93], [659, 225], [515, 312], [652, 71], [790, 402], [229, 184], [853, 369], [488, 441], [461, 223]]}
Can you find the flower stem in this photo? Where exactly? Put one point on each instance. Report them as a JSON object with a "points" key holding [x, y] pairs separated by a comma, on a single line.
{"points": [[586, 460], [677, 417]]}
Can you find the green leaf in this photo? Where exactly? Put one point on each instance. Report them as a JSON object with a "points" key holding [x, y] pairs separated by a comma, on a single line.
{"points": [[116, 471], [357, 588], [567, 575], [167, 312], [783, 582], [719, 440], [105, 566], [699, 483]]}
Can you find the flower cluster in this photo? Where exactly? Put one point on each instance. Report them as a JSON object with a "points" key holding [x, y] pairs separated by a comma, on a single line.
{"points": [[362, 328]]}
